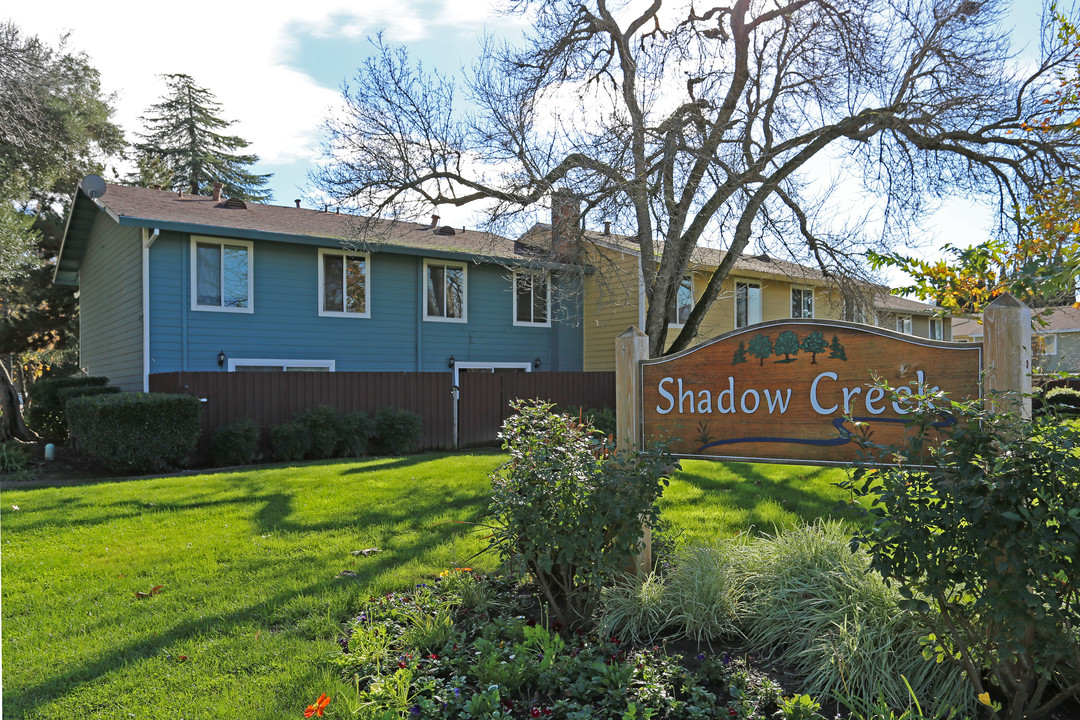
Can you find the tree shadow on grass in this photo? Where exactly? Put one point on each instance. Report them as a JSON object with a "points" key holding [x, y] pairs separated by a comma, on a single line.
{"points": [[745, 487], [274, 513]]}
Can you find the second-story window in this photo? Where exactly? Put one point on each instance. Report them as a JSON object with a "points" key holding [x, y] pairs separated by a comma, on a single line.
{"points": [[343, 284], [937, 329], [684, 303], [532, 298], [802, 303], [903, 324], [444, 291], [747, 304], [221, 274]]}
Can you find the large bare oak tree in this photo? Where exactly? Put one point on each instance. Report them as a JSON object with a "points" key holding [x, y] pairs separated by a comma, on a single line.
{"points": [[689, 124]]}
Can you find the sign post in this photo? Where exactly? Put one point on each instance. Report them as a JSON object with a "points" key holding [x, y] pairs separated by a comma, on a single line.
{"points": [[631, 347], [1007, 328]]}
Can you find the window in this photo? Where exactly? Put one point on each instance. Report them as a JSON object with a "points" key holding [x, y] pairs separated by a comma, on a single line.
{"points": [[444, 291], [1045, 344], [684, 303], [903, 324], [747, 304], [802, 303], [221, 275], [937, 329], [264, 365], [343, 284], [532, 298]]}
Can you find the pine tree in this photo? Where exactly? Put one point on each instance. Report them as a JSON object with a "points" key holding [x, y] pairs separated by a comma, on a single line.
{"points": [[185, 133]]}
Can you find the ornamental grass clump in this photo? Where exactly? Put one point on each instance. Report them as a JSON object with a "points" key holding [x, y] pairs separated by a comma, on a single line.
{"points": [[820, 607], [703, 594], [568, 509]]}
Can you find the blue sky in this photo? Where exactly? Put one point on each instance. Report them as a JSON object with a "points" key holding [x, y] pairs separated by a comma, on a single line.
{"points": [[277, 66]]}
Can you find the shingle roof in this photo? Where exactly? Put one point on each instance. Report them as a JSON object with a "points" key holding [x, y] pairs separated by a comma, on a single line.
{"points": [[194, 213], [762, 264], [1060, 319]]}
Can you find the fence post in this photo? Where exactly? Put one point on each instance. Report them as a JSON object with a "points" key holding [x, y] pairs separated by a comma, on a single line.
{"points": [[631, 347], [1007, 348]]}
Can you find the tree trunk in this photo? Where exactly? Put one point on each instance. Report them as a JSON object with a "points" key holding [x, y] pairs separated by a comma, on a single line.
{"points": [[11, 421]]}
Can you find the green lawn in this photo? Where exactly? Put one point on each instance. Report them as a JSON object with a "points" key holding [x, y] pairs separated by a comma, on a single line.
{"points": [[251, 562]]}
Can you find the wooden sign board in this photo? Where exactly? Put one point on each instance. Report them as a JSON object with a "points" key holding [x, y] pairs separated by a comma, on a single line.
{"points": [[784, 391]]}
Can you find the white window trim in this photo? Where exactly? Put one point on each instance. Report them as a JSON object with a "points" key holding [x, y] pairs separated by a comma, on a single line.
{"points": [[813, 302], [1046, 347], [547, 309], [941, 327], [735, 303], [693, 299], [264, 362], [195, 306], [527, 367], [367, 284], [910, 324], [464, 291]]}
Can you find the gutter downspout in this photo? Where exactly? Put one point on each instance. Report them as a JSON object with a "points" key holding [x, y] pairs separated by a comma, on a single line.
{"points": [[148, 239]]}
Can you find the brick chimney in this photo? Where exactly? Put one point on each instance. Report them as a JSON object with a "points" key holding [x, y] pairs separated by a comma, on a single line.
{"points": [[217, 191], [565, 225]]}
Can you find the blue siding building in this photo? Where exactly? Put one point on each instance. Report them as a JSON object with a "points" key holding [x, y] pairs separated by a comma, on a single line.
{"points": [[188, 283]]}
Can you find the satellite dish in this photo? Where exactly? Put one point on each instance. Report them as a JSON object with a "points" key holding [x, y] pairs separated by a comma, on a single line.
{"points": [[93, 186]]}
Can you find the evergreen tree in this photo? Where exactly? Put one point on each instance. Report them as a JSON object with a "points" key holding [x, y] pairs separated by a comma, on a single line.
{"points": [[55, 127], [186, 134], [836, 350], [740, 354]]}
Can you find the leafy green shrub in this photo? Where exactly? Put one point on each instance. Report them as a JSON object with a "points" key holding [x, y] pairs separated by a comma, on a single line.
{"points": [[135, 432], [289, 441], [354, 433], [981, 533], [13, 457], [235, 444], [569, 510], [322, 429], [397, 432], [45, 410], [602, 419]]}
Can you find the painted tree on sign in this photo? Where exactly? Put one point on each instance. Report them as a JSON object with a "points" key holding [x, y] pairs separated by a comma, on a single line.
{"points": [[813, 344], [836, 350], [761, 347], [740, 354], [787, 345]]}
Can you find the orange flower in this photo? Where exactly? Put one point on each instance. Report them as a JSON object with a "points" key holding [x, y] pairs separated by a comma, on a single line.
{"points": [[318, 707]]}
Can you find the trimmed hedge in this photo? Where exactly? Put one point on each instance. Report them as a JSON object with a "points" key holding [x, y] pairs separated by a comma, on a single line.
{"points": [[397, 432], [321, 424], [1063, 399], [135, 432], [289, 441], [235, 444], [45, 409], [355, 431]]}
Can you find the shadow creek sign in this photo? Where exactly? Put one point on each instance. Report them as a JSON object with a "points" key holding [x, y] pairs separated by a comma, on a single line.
{"points": [[787, 390]]}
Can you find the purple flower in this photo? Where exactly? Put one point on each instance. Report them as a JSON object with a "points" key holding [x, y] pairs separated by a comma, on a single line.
{"points": [[727, 659], [415, 710], [700, 657]]}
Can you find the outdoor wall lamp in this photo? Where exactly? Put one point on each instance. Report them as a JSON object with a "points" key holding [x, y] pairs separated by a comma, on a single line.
{"points": [[221, 359], [536, 364], [451, 363]]}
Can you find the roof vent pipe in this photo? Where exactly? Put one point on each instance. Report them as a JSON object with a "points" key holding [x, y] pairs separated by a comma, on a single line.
{"points": [[217, 191], [607, 228], [434, 221], [297, 201]]}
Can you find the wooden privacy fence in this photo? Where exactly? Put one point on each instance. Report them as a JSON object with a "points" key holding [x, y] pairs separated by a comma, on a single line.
{"points": [[485, 398], [271, 398]]}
